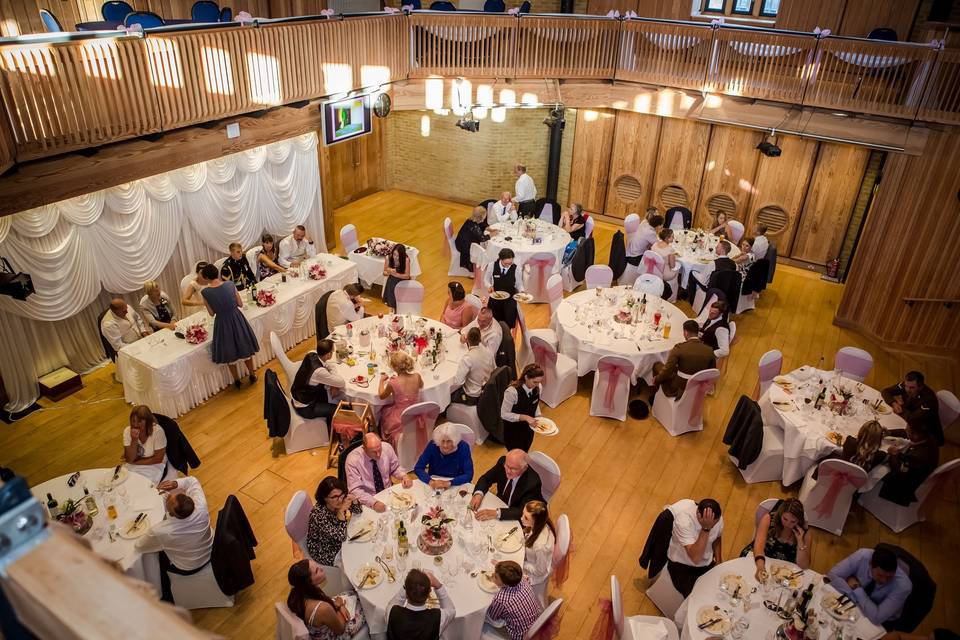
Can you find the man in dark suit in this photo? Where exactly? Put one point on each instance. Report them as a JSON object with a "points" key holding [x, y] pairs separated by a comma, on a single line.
{"points": [[913, 400], [910, 465], [721, 263], [517, 484], [685, 359]]}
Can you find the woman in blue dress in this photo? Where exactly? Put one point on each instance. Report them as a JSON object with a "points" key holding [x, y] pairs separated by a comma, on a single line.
{"points": [[233, 337]]}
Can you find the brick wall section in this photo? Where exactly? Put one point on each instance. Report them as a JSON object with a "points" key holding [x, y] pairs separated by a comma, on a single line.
{"points": [[457, 165]]}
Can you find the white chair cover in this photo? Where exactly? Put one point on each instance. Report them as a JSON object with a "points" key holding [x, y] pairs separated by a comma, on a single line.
{"points": [[736, 230], [409, 295], [418, 421], [289, 367], [652, 262], [853, 362], [296, 520], [454, 269], [199, 590], [466, 416], [219, 262], [650, 284], [536, 272], [548, 470], [631, 224], [547, 214], [560, 379], [588, 227], [611, 387], [769, 367], [664, 595], [826, 501], [554, 291], [348, 238], [599, 275], [187, 279], [303, 433], [491, 216], [675, 220], [473, 301], [769, 463], [949, 412], [525, 356], [289, 626], [544, 618], [252, 261], [686, 414], [899, 518], [763, 509], [466, 434], [616, 605]]}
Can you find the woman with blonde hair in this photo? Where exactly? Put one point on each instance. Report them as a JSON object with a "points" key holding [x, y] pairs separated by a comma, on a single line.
{"points": [[539, 538], [864, 450], [145, 445], [156, 309], [405, 388], [782, 534]]}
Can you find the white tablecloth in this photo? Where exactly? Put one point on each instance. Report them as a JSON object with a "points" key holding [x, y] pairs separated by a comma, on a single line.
{"points": [[371, 267], [695, 257], [552, 239], [763, 622], [470, 601], [437, 382], [805, 429], [172, 376], [584, 323], [132, 496]]}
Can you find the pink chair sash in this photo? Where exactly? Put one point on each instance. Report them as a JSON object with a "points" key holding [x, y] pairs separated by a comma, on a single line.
{"points": [[539, 265], [700, 388], [561, 564], [477, 277], [550, 628], [409, 294], [837, 479], [613, 371], [555, 292], [605, 625], [543, 355], [447, 237], [426, 417]]}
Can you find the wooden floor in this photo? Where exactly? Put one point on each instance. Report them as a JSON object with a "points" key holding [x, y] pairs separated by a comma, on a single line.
{"points": [[616, 476]]}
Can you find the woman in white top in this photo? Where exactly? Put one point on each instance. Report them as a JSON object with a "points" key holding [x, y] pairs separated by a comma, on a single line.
{"points": [[540, 536], [664, 248], [190, 297], [145, 445]]}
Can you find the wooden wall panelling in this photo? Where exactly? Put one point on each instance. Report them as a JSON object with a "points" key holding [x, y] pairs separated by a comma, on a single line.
{"points": [[805, 15], [591, 158], [829, 203], [632, 163], [782, 182], [288, 8], [680, 161], [664, 9], [730, 170], [602, 7], [860, 17]]}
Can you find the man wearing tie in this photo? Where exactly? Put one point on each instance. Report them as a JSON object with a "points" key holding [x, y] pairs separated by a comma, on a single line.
{"points": [[370, 468], [517, 484]]}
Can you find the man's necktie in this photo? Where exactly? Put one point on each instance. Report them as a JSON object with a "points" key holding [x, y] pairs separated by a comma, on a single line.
{"points": [[377, 477], [512, 484]]}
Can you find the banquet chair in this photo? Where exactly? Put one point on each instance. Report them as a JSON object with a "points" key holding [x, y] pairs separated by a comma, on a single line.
{"points": [[546, 213], [226, 14], [547, 334], [199, 590], [548, 470], [705, 311], [468, 416], [744, 428], [304, 433], [827, 500], [409, 295], [664, 595], [205, 11], [418, 421], [652, 262], [252, 261], [289, 367], [752, 285], [320, 316], [50, 22], [560, 379], [494, 6], [686, 413], [678, 218], [588, 225], [769, 367], [631, 224], [296, 521], [348, 238], [611, 387], [466, 434], [622, 624], [547, 617], [899, 518], [650, 284], [728, 282], [478, 257], [108, 349], [574, 273], [736, 230], [536, 271], [854, 363], [289, 626], [554, 292], [115, 10], [218, 263], [949, 412], [765, 507], [599, 275], [491, 216], [454, 269], [146, 19], [473, 301]]}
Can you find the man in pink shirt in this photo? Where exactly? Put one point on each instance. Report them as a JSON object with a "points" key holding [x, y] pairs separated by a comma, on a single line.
{"points": [[370, 469]]}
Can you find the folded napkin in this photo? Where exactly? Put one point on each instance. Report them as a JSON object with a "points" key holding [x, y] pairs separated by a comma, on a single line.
{"points": [[642, 630]]}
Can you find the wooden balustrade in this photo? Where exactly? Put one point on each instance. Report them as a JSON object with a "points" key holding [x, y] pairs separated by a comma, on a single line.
{"points": [[66, 94]]}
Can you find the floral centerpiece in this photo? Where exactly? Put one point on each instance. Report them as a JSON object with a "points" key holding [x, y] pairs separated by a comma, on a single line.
{"points": [[840, 400], [624, 315], [266, 298], [379, 247], [195, 334], [436, 350], [529, 229], [435, 538], [317, 272], [71, 514]]}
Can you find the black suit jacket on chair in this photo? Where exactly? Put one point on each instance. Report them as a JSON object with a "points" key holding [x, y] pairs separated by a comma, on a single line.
{"points": [[528, 488]]}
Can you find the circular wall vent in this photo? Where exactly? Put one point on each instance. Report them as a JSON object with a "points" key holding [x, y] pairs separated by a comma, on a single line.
{"points": [[673, 196], [774, 217], [628, 188]]}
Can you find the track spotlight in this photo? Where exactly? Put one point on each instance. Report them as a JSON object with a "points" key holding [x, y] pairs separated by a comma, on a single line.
{"points": [[556, 115], [469, 124], [769, 146]]}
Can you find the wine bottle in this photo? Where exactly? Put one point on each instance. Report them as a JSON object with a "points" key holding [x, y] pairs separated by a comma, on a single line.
{"points": [[90, 503], [805, 598], [402, 544], [791, 605], [52, 506], [820, 398]]}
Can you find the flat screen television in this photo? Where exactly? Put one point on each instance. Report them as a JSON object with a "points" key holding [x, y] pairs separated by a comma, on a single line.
{"points": [[345, 119]]}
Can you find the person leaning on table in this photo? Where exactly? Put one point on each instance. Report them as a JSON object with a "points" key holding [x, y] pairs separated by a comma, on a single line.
{"points": [[874, 580], [413, 620], [370, 468], [517, 484]]}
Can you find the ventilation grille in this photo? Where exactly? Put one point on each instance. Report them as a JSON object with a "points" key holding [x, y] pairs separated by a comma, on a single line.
{"points": [[628, 189], [673, 196], [722, 202], [773, 217]]}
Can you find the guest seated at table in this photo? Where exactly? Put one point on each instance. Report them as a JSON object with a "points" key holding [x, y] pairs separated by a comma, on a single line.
{"points": [[760, 242], [720, 228], [473, 231], [267, 258], [874, 580], [405, 388], [910, 464], [457, 312], [122, 325], [396, 267], [862, 450], [695, 542], [183, 538], [516, 606], [937, 634], [573, 222], [781, 534], [233, 337], [912, 399], [413, 620], [296, 247], [715, 331], [663, 247], [721, 263], [326, 618], [344, 305], [156, 307], [746, 257], [517, 484], [491, 333], [190, 298], [370, 469], [647, 234], [316, 382], [503, 209], [236, 269], [327, 528], [446, 461], [145, 445], [684, 360], [521, 407], [540, 536], [502, 276], [474, 369]]}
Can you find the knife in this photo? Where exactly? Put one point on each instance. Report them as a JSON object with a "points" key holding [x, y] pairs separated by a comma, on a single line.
{"points": [[136, 521], [364, 531], [508, 534], [365, 578], [387, 567], [116, 471], [709, 623]]}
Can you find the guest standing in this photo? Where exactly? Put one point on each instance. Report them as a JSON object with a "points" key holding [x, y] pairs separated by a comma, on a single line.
{"points": [[473, 231], [540, 536], [874, 580], [404, 387], [233, 337], [517, 484], [327, 528], [520, 408], [525, 191], [156, 307], [296, 247], [236, 269], [684, 360], [345, 305], [413, 620], [268, 258], [457, 312], [474, 370], [695, 543], [912, 399], [515, 607], [326, 618], [573, 221], [446, 456], [122, 325], [781, 534], [190, 299], [316, 383], [502, 276], [396, 267], [371, 468], [145, 445]]}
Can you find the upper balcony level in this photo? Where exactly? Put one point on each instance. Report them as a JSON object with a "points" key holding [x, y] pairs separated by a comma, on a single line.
{"points": [[66, 92]]}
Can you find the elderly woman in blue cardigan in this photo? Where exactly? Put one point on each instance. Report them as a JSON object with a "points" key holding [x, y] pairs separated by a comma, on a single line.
{"points": [[446, 461]]}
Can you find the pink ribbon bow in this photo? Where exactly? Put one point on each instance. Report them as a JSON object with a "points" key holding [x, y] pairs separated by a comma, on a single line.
{"points": [[699, 391], [605, 625], [391, 10], [613, 13], [540, 266], [513, 11], [821, 33], [613, 371], [407, 8], [543, 355], [244, 18], [630, 14], [326, 12], [651, 265], [134, 29], [837, 479]]}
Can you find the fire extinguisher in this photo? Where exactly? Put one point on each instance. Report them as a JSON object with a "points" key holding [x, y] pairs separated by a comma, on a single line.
{"points": [[833, 268]]}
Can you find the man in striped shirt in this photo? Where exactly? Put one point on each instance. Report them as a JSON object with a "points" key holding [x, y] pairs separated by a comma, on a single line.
{"points": [[515, 606]]}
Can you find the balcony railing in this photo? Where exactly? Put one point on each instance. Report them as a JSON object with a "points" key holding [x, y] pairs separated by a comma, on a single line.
{"points": [[65, 93]]}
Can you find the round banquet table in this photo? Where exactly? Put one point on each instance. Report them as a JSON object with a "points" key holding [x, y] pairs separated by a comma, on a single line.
{"points": [[549, 239], [437, 381], [763, 622], [131, 495], [805, 429], [695, 257], [371, 266], [587, 331], [470, 551]]}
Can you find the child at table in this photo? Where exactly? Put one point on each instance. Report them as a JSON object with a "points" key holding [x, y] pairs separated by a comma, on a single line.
{"points": [[515, 606]]}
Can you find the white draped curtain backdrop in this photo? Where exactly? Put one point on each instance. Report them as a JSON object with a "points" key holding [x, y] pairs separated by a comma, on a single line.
{"points": [[83, 251]]}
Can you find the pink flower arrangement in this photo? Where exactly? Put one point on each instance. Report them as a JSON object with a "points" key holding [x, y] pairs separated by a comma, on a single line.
{"points": [[195, 334], [435, 523], [317, 272], [75, 517], [379, 247], [266, 298]]}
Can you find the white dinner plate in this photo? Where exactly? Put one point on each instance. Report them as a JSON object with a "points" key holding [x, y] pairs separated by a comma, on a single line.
{"points": [[829, 604], [722, 625], [376, 576], [500, 295], [546, 427], [511, 543], [522, 297], [358, 525], [486, 583], [142, 527]]}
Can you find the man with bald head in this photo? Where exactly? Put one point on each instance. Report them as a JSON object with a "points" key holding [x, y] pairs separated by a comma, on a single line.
{"points": [[121, 325], [491, 333], [371, 468], [503, 208], [517, 484]]}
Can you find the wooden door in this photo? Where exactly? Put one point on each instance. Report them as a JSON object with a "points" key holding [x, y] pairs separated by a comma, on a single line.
{"points": [[351, 169], [680, 160], [728, 174], [591, 158], [632, 163]]}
